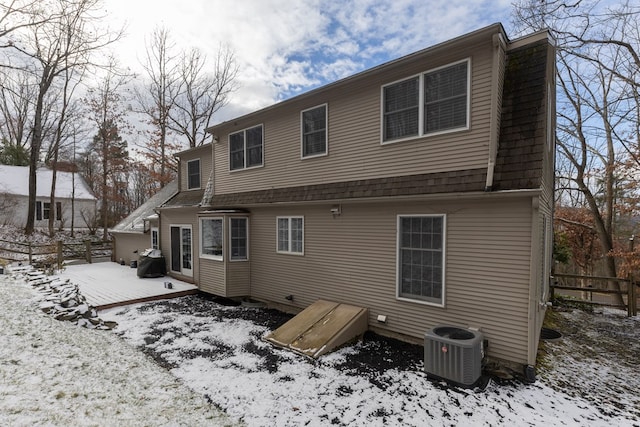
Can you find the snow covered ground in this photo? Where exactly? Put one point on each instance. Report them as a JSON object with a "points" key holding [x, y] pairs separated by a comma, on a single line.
{"points": [[54, 373]]}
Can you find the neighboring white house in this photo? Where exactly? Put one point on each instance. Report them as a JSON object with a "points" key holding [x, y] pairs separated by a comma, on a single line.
{"points": [[72, 197]]}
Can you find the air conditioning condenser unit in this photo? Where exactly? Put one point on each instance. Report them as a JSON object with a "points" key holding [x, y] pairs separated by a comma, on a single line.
{"points": [[454, 354]]}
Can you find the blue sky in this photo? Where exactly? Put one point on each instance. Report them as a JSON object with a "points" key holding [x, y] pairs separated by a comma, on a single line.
{"points": [[287, 47]]}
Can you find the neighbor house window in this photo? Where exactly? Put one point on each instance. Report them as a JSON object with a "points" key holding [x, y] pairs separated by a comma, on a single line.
{"points": [[246, 148], [314, 131], [46, 210], [211, 238], [432, 102], [239, 238], [155, 238], [59, 211], [290, 235], [193, 174], [421, 245]]}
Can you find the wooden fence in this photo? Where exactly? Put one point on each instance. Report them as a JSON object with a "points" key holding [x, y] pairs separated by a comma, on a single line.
{"points": [[589, 288], [54, 253]]}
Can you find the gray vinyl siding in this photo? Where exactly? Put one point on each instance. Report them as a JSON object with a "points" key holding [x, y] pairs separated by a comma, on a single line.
{"points": [[355, 150], [352, 259]]}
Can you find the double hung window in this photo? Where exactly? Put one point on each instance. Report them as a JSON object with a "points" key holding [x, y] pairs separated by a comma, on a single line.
{"points": [[314, 131], [432, 102], [290, 232], [193, 174], [246, 148]]}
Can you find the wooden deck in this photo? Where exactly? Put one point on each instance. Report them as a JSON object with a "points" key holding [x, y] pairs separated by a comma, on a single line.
{"points": [[108, 284]]}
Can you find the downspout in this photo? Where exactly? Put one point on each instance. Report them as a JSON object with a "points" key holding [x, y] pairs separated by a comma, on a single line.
{"points": [[497, 83]]}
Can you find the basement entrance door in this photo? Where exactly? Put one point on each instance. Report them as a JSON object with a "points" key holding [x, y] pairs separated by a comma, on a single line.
{"points": [[181, 250]]}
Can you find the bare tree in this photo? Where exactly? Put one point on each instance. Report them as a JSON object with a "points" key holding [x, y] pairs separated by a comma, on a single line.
{"points": [[65, 37], [15, 109], [18, 15], [108, 113], [156, 99], [202, 94], [70, 84], [599, 76]]}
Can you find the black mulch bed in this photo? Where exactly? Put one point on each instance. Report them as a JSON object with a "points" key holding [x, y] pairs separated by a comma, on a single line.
{"points": [[376, 354]]}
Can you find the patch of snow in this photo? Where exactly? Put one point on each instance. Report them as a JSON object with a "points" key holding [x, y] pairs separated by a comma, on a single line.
{"points": [[56, 374], [587, 378]]}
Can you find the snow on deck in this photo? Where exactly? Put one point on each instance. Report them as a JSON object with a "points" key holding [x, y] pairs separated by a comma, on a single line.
{"points": [[108, 284]]}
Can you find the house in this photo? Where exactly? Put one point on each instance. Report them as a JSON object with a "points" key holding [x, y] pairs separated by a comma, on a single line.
{"points": [[74, 202], [421, 189], [139, 230]]}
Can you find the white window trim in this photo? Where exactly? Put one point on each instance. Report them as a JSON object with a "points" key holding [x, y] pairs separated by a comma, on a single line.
{"points": [[207, 256], [245, 150], [444, 259], [157, 231], [326, 132], [421, 133], [289, 218], [199, 174], [231, 259]]}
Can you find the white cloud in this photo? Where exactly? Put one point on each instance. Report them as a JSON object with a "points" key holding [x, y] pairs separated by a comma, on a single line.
{"points": [[284, 47]]}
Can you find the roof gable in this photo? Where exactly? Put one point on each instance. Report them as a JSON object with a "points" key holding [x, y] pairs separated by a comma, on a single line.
{"points": [[134, 222]]}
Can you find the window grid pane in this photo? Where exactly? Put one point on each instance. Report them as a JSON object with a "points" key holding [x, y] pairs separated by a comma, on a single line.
{"points": [[254, 146], [445, 98], [186, 248], [296, 235], [193, 172], [314, 131], [283, 234], [421, 258], [401, 109], [238, 238], [236, 150]]}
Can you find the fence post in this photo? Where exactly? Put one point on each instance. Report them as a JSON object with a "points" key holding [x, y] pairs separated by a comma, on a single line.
{"points": [[632, 302], [59, 253], [87, 248]]}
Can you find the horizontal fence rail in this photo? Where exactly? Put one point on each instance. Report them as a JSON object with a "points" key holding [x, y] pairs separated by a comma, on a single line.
{"points": [[54, 253], [599, 285]]}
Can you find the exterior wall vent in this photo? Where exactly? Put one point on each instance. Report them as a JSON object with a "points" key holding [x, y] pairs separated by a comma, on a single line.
{"points": [[454, 354]]}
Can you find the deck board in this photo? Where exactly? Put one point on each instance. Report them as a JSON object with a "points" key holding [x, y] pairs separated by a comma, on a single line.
{"points": [[108, 284]]}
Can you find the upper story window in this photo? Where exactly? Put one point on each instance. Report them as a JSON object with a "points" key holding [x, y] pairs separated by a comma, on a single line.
{"points": [[314, 131], [193, 174], [430, 103], [246, 148]]}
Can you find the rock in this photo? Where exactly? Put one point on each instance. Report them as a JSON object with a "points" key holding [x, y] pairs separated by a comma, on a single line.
{"points": [[71, 302], [62, 299]]}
